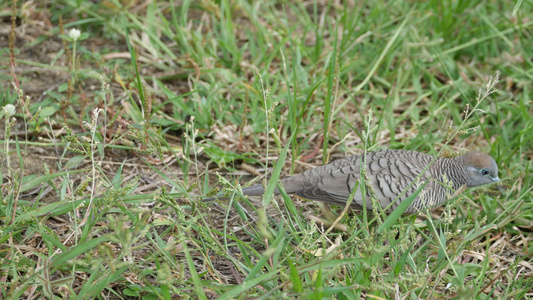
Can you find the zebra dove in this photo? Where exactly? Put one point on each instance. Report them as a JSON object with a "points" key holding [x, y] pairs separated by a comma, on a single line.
{"points": [[390, 173]]}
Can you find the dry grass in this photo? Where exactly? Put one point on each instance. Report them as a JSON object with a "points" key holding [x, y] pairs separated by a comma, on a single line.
{"points": [[162, 104]]}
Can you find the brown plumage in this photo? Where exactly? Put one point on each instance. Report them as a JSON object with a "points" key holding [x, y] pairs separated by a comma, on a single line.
{"points": [[390, 173]]}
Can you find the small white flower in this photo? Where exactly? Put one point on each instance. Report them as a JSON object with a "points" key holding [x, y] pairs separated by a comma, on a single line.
{"points": [[74, 34], [9, 110]]}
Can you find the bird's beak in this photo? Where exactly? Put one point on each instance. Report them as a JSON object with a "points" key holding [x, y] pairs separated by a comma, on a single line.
{"points": [[499, 186]]}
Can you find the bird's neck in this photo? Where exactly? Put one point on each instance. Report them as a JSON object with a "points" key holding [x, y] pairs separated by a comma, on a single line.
{"points": [[454, 169]]}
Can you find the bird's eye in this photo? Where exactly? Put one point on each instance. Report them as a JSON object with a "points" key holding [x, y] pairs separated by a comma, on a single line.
{"points": [[485, 172]]}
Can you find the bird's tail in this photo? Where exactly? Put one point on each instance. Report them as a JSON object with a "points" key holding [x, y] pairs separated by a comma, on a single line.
{"points": [[254, 190]]}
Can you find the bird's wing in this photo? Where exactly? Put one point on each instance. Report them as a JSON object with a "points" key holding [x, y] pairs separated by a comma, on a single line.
{"points": [[388, 179], [332, 185]]}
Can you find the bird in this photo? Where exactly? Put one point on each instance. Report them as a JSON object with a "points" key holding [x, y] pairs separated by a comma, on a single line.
{"points": [[393, 176]]}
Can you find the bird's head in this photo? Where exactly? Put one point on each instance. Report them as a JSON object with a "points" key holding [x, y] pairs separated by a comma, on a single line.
{"points": [[482, 168]]}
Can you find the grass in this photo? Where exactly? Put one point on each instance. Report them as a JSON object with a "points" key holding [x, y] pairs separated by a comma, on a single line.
{"points": [[161, 104]]}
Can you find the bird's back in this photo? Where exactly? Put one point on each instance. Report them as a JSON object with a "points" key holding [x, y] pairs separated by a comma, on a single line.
{"points": [[388, 172]]}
